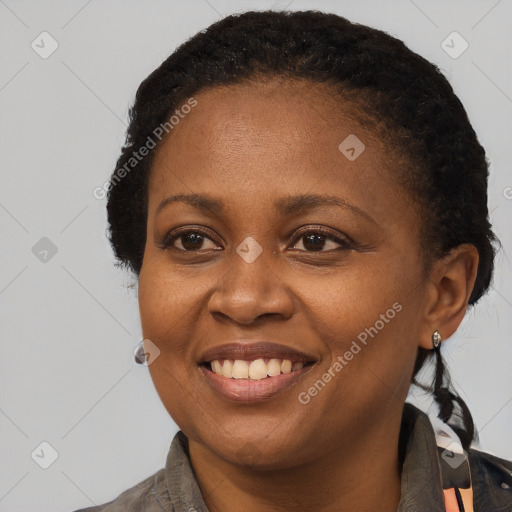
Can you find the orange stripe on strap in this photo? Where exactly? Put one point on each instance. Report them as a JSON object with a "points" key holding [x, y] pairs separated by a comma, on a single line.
{"points": [[450, 500]]}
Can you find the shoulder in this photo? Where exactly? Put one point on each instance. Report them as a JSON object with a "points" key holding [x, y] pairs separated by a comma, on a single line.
{"points": [[149, 495], [492, 481]]}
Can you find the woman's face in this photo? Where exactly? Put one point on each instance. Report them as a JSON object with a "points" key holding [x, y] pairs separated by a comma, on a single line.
{"points": [[294, 234]]}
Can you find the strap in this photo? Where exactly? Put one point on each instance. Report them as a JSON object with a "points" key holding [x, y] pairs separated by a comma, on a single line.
{"points": [[455, 470]]}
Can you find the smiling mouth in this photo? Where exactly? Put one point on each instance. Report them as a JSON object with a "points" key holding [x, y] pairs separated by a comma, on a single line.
{"points": [[256, 369]]}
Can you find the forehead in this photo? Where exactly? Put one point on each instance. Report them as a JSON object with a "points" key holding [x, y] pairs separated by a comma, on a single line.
{"points": [[274, 135]]}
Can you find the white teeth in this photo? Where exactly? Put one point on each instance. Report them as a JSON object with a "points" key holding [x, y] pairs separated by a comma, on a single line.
{"points": [[254, 370], [227, 369], [286, 366], [258, 369], [240, 369], [217, 367], [274, 367]]}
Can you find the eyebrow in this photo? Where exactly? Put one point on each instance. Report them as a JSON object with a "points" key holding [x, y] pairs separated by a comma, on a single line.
{"points": [[306, 202], [285, 206], [199, 201]]}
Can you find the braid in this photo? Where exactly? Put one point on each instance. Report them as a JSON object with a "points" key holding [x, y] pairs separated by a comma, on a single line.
{"points": [[447, 398]]}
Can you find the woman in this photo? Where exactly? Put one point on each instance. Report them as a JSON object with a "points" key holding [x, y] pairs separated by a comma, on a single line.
{"points": [[304, 203]]}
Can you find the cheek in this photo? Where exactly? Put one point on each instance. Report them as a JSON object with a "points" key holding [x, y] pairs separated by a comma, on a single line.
{"points": [[367, 320], [367, 295], [168, 306], [167, 302]]}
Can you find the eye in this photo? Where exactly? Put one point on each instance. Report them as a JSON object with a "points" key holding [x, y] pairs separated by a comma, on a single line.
{"points": [[320, 240], [187, 241]]}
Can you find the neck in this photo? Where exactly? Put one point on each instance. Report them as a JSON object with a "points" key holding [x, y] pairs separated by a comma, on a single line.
{"points": [[361, 475]]}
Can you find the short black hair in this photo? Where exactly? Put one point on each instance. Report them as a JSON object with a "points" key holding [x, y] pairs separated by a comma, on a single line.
{"points": [[398, 93]]}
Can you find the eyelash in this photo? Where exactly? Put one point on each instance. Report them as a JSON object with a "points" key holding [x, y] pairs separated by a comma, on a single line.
{"points": [[171, 236]]}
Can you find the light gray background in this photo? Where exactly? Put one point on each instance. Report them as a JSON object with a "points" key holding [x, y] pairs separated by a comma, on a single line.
{"points": [[69, 325]]}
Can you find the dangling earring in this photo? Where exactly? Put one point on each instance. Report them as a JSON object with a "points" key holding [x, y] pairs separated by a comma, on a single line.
{"points": [[436, 339]]}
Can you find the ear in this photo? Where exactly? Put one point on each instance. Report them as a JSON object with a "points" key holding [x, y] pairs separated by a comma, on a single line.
{"points": [[450, 284]]}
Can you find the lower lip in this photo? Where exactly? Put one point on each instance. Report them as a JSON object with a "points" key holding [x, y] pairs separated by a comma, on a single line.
{"points": [[247, 390]]}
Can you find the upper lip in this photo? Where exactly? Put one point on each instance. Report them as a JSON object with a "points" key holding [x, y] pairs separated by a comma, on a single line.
{"points": [[255, 350]]}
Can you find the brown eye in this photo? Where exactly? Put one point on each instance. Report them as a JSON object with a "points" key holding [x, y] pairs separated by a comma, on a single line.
{"points": [[191, 241], [318, 241], [188, 241], [313, 242]]}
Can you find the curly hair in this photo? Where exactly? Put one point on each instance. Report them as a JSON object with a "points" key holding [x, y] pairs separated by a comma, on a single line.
{"points": [[401, 95]]}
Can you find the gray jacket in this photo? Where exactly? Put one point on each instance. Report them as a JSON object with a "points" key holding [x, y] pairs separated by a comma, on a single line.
{"points": [[175, 488]]}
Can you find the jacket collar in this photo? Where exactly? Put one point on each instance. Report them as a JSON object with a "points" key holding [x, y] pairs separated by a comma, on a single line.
{"points": [[421, 473], [421, 484]]}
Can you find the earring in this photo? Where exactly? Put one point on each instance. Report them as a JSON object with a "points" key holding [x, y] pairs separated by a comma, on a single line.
{"points": [[139, 355], [436, 339]]}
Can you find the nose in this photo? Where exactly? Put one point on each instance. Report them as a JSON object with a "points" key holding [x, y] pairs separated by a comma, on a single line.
{"points": [[249, 292]]}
